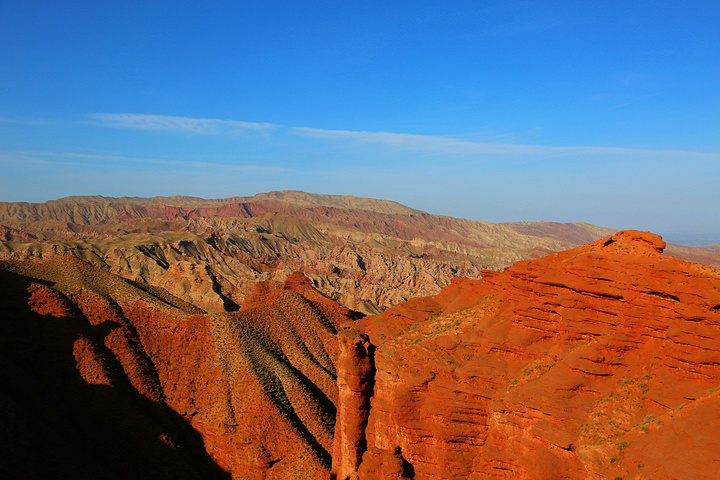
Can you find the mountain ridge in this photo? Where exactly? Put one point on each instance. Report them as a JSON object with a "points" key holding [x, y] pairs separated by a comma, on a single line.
{"points": [[290, 196], [583, 363]]}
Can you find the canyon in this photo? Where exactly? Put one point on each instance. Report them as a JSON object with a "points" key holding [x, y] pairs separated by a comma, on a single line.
{"points": [[366, 254], [294, 335]]}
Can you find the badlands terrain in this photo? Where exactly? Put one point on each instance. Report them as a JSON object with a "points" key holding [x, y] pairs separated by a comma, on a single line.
{"points": [[366, 254], [292, 335]]}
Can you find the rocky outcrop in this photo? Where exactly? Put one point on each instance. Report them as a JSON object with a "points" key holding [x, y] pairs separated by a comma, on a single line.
{"points": [[597, 362], [101, 377]]}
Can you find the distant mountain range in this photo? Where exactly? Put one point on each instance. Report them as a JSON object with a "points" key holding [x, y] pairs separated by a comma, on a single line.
{"points": [[694, 239], [365, 253]]}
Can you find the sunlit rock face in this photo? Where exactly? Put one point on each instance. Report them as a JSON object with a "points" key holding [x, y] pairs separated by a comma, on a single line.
{"points": [[596, 362], [176, 333]]}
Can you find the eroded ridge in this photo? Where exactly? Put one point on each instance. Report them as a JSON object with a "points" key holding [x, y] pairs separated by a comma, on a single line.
{"points": [[107, 378]]}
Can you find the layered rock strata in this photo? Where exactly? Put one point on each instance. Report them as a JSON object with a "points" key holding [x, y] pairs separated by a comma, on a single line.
{"points": [[355, 379], [597, 362]]}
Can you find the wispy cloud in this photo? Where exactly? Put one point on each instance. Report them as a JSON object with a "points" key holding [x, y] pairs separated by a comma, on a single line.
{"points": [[633, 100], [207, 126], [449, 145], [68, 158]]}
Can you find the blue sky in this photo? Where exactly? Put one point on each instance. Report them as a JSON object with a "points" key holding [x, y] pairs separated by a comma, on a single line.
{"points": [[605, 112]]}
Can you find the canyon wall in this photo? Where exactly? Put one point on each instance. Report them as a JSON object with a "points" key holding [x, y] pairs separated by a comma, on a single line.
{"points": [[175, 333]]}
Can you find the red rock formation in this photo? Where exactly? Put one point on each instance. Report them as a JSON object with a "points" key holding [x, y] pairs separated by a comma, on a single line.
{"points": [[597, 362], [355, 381], [103, 378]]}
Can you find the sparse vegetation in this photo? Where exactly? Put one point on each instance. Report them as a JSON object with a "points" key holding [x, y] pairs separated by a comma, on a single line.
{"points": [[645, 421]]}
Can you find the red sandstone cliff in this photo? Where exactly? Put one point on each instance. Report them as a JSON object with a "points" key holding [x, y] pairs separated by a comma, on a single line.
{"points": [[355, 379], [597, 362]]}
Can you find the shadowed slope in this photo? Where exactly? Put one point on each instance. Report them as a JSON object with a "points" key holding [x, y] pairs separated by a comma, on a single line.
{"points": [[69, 405], [120, 380]]}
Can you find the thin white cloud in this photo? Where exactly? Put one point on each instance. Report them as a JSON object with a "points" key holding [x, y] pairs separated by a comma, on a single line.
{"points": [[428, 143], [449, 145], [52, 158], [633, 100], [207, 126]]}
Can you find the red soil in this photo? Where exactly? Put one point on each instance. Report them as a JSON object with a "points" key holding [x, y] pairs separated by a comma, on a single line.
{"points": [[597, 362]]}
